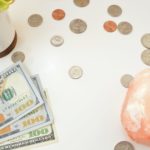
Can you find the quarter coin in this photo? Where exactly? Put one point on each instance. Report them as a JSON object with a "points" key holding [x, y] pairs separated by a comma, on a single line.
{"points": [[124, 145], [81, 3], [110, 26], [114, 10], [126, 80], [78, 26], [18, 56], [57, 40], [146, 40], [75, 72], [146, 57], [125, 28], [35, 20], [58, 14]]}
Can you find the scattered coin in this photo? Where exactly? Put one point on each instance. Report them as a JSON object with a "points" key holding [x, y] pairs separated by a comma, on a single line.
{"points": [[58, 14], [110, 26], [146, 57], [125, 28], [81, 3], [75, 72], [35, 20], [57, 40], [114, 10], [146, 40], [18, 56], [78, 26], [126, 80], [124, 145]]}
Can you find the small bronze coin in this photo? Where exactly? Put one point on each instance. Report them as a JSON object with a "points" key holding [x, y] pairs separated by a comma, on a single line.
{"points": [[145, 40], [58, 14], [126, 80], [81, 3], [35, 20], [18, 56], [124, 145], [114, 10], [145, 56], [110, 26], [125, 28]]}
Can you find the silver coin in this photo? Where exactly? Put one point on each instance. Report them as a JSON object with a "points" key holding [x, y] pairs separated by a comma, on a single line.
{"points": [[18, 56], [125, 28], [114, 10], [124, 145], [78, 26], [145, 56], [75, 72], [35, 20], [126, 80], [146, 40], [57, 40], [81, 3]]}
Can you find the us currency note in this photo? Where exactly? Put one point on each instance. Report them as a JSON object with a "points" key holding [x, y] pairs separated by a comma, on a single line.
{"points": [[18, 95], [39, 117]]}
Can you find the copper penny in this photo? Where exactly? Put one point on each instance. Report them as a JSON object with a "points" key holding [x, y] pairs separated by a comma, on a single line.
{"points": [[110, 26], [58, 14]]}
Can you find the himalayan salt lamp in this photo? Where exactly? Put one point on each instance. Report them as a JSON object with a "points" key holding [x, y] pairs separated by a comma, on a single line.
{"points": [[135, 115]]}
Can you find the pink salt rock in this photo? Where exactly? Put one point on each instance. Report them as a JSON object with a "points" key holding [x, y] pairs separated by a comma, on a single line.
{"points": [[135, 115]]}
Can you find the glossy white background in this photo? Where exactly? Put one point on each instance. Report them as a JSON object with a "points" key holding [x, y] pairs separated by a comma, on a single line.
{"points": [[86, 111]]}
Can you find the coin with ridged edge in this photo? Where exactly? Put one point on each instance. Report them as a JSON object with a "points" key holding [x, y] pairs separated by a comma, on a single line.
{"points": [[81, 3], [145, 56], [114, 10], [78, 26], [75, 72], [145, 40], [18, 56], [124, 145], [57, 40], [35, 20], [126, 80], [125, 27]]}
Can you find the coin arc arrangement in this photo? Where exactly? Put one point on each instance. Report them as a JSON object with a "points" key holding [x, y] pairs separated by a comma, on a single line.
{"points": [[79, 26]]}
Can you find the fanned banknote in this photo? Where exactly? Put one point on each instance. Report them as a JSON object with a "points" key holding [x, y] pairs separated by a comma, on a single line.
{"points": [[18, 95], [39, 117]]}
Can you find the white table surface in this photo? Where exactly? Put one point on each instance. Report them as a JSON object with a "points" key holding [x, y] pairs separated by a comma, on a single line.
{"points": [[86, 111]]}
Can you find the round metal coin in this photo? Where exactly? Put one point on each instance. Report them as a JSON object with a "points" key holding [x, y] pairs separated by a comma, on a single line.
{"points": [[58, 14], [146, 40], [114, 10], [57, 40], [126, 80], [110, 26], [75, 72], [125, 28], [35, 20], [81, 3], [124, 145], [78, 26], [18, 56], [145, 56]]}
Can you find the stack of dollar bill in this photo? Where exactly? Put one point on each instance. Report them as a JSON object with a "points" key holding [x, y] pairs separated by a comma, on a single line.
{"points": [[25, 118]]}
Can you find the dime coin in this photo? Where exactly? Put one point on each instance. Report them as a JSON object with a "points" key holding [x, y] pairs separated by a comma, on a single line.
{"points": [[146, 40], [58, 14], [18, 56], [114, 10], [110, 26], [57, 40], [75, 72], [78, 26], [125, 28], [126, 80], [124, 145], [35, 20], [81, 3], [146, 57]]}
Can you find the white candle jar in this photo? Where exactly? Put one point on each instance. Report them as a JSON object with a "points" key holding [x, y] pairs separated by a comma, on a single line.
{"points": [[8, 36]]}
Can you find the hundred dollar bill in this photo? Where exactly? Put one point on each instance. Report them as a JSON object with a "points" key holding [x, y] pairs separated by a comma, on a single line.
{"points": [[18, 95], [39, 117]]}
